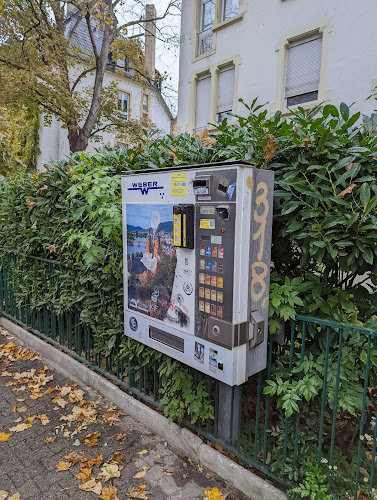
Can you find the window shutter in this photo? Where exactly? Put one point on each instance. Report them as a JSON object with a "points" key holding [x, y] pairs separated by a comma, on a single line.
{"points": [[303, 67], [203, 94], [225, 89]]}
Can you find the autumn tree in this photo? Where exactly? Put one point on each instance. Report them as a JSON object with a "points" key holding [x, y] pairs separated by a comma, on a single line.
{"points": [[43, 60]]}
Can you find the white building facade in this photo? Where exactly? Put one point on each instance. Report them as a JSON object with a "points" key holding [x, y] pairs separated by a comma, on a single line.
{"points": [[285, 52], [136, 100]]}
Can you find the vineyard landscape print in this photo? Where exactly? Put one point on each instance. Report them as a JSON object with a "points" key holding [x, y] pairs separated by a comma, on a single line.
{"points": [[151, 258]]}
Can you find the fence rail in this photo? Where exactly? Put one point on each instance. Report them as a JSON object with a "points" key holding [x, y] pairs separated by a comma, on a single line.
{"points": [[314, 370]]}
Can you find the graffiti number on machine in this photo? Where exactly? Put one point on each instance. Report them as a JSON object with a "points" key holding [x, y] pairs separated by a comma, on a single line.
{"points": [[259, 270]]}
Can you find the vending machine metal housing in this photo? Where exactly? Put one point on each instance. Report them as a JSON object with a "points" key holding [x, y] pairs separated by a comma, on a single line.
{"points": [[197, 243]]}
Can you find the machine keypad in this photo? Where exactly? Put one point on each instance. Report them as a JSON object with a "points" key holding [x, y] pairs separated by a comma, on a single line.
{"points": [[212, 280]]}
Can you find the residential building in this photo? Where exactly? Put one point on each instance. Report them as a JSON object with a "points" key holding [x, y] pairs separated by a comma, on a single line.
{"points": [[286, 52], [136, 100]]}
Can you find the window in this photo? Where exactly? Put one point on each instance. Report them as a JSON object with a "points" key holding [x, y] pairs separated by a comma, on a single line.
{"points": [[203, 94], [225, 92], [123, 105], [145, 110], [229, 8], [207, 18], [303, 70]]}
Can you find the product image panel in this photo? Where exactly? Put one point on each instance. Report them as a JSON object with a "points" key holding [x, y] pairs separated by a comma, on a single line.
{"points": [[151, 261]]}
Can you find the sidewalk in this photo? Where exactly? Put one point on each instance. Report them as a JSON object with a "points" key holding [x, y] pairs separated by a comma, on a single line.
{"points": [[59, 441]]}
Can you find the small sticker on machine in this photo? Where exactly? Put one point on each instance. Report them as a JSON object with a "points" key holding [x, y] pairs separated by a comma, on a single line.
{"points": [[207, 224], [212, 358], [216, 240]]}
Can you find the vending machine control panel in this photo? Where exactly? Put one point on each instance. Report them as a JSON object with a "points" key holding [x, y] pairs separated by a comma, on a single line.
{"points": [[197, 243]]}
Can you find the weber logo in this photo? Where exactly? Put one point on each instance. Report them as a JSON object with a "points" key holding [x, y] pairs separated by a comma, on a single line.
{"points": [[144, 187]]}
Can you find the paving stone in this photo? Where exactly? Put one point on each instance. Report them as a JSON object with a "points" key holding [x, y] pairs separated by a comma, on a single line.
{"points": [[28, 463]]}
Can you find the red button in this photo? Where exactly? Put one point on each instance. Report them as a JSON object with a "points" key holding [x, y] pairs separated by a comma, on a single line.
{"points": [[223, 229]]}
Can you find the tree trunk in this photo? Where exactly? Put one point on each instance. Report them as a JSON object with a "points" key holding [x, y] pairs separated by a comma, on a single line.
{"points": [[109, 33]]}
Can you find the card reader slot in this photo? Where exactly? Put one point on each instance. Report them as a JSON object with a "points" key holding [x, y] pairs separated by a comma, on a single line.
{"points": [[167, 338]]}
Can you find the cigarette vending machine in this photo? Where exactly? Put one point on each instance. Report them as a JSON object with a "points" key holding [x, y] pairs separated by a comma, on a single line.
{"points": [[197, 244]]}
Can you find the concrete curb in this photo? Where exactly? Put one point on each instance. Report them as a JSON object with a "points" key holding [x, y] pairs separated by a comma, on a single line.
{"points": [[181, 439]]}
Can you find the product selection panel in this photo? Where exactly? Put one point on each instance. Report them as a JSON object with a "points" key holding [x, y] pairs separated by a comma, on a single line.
{"points": [[215, 232]]}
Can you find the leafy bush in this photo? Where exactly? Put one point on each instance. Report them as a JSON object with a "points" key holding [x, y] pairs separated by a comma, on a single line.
{"points": [[324, 235]]}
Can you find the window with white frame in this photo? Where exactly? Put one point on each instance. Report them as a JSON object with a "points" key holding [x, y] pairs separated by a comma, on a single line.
{"points": [[207, 17], [123, 104], [225, 93], [303, 70], [145, 107], [203, 95], [229, 9]]}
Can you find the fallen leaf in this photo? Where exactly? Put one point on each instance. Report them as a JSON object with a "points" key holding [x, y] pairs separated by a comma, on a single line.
{"points": [[84, 475], [214, 494], [109, 471], [50, 440], [20, 427], [111, 416], [89, 485], [76, 396], [3, 494], [4, 436], [116, 458], [65, 390], [97, 489], [21, 399], [22, 409], [109, 493], [219, 448], [143, 452], [96, 461], [16, 496], [91, 439], [142, 473], [67, 433], [44, 419], [6, 374], [74, 457], [30, 419], [139, 492], [120, 437], [18, 420], [61, 402], [168, 472], [62, 465]]}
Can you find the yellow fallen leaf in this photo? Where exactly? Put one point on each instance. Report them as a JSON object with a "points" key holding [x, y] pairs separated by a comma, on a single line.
{"points": [[109, 493], [142, 473], [50, 440], [214, 494], [84, 475], [20, 427], [16, 496], [3, 494], [61, 402], [21, 409], [143, 452], [18, 420], [6, 374], [4, 436], [96, 461], [21, 399], [91, 439], [66, 389], [62, 465], [97, 488]]}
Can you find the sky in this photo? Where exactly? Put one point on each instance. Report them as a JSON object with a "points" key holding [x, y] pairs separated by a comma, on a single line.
{"points": [[167, 52], [140, 215]]}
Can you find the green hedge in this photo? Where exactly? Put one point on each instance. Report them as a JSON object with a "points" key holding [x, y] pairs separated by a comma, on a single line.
{"points": [[324, 233]]}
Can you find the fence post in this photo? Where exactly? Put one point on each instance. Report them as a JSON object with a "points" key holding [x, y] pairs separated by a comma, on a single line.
{"points": [[229, 413]]}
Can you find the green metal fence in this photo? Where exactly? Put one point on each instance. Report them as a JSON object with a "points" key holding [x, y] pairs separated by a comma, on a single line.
{"points": [[335, 429]]}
